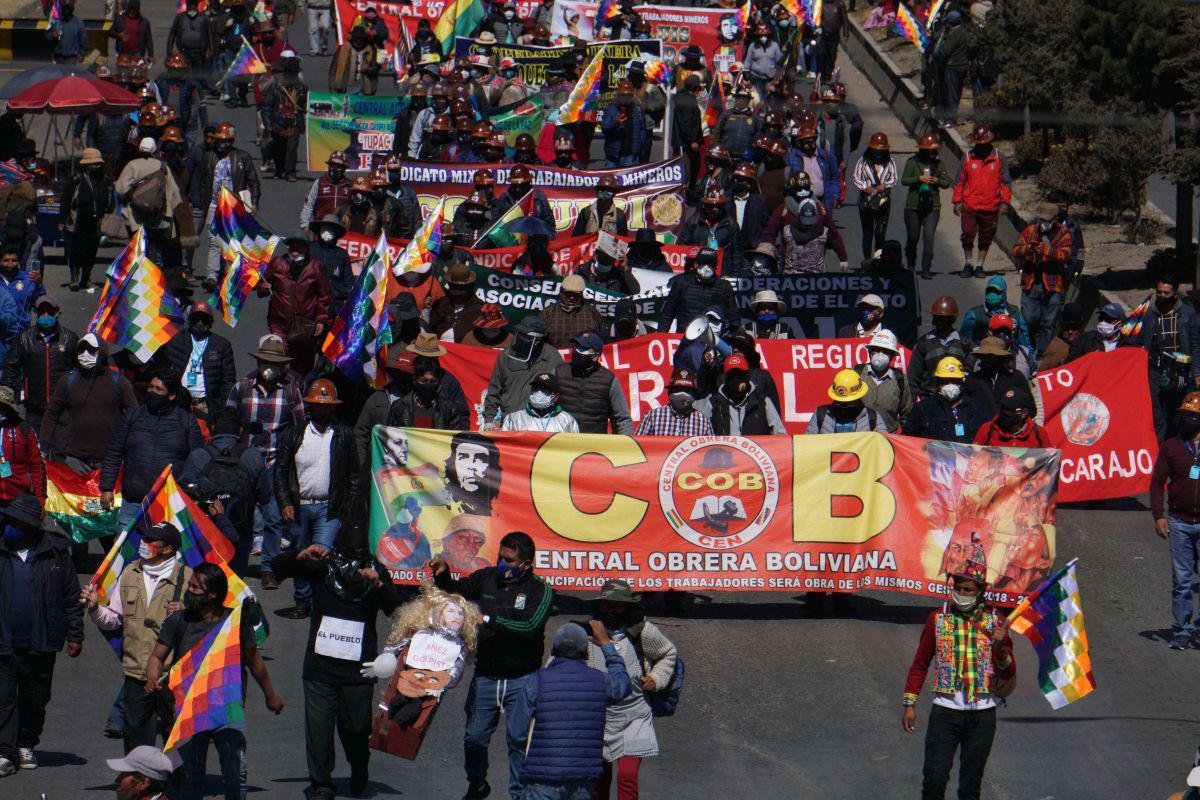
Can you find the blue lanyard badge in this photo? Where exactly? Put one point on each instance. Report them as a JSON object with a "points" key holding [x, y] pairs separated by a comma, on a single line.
{"points": [[1194, 472]]}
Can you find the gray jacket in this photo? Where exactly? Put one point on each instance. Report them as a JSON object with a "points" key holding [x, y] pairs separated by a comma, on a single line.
{"points": [[509, 387]]}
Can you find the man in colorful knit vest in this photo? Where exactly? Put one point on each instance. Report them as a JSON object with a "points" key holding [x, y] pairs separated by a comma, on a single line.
{"points": [[969, 646]]}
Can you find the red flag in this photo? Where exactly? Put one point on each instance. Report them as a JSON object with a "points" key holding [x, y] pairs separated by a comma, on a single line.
{"points": [[1097, 411]]}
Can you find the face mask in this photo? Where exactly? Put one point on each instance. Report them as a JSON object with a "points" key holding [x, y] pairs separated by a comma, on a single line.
{"points": [[426, 391], [268, 373], [13, 536], [336, 174], [194, 602], [963, 602], [541, 400], [1189, 426], [950, 391], [507, 573], [507, 74], [605, 196], [681, 402], [358, 199], [612, 622], [191, 13], [327, 237], [993, 300], [157, 402], [47, 322], [603, 267], [86, 359], [880, 362], [1010, 421], [223, 148], [508, 15], [1164, 303], [713, 213], [741, 187], [705, 272], [737, 387], [865, 316], [321, 417], [1107, 330], [763, 40], [146, 551], [199, 328]]}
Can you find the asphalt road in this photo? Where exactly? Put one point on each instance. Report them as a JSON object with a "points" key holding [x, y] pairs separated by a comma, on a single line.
{"points": [[777, 704]]}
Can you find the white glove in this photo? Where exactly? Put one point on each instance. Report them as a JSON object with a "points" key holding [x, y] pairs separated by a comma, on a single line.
{"points": [[842, 266], [384, 666]]}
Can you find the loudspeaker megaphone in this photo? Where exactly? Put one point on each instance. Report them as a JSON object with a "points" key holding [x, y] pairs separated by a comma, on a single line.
{"points": [[698, 330]]}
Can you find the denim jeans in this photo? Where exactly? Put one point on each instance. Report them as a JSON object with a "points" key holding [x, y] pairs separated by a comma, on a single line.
{"points": [[312, 526], [576, 790], [622, 161], [948, 732], [952, 81], [116, 714], [126, 514], [1184, 541], [230, 745], [485, 699], [920, 228], [269, 522], [1040, 309], [318, 29]]}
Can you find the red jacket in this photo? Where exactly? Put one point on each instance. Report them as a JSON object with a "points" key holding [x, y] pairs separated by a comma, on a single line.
{"points": [[1032, 435], [983, 183], [28, 471], [1031, 251], [309, 295]]}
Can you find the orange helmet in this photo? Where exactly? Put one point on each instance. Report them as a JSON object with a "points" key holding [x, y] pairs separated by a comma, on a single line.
{"points": [[718, 153], [172, 134], [176, 61], [482, 130], [777, 148], [167, 115], [360, 184], [484, 179], [982, 134], [479, 199], [225, 132], [928, 141], [104, 73], [745, 170], [608, 182], [807, 118], [497, 140], [773, 120], [463, 124], [379, 177], [715, 197], [520, 174], [441, 123], [839, 89], [829, 95], [807, 132], [879, 142], [525, 142]]}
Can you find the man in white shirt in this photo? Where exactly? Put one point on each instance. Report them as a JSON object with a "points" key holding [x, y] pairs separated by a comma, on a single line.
{"points": [[316, 480], [542, 411]]}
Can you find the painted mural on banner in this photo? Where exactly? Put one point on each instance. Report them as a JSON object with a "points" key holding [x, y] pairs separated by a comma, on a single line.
{"points": [[652, 196], [532, 60], [1097, 411], [711, 29], [359, 125], [841, 513], [817, 305], [408, 14], [803, 371]]}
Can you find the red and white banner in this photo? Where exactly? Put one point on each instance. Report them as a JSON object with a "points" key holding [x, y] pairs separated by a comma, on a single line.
{"points": [[676, 26], [803, 371], [1097, 411], [408, 14]]}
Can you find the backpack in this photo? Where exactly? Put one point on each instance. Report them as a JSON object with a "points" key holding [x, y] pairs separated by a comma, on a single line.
{"points": [[148, 196], [664, 700], [234, 488]]}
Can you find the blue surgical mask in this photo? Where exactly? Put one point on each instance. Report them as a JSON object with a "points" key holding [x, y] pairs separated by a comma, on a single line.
{"points": [[767, 317], [13, 535], [864, 316], [507, 573], [47, 323]]}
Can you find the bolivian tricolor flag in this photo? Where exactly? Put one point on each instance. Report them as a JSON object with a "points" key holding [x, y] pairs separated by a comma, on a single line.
{"points": [[498, 235], [73, 500]]}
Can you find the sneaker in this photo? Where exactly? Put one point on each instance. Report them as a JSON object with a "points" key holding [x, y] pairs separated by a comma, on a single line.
{"points": [[1180, 643], [113, 732], [269, 581], [478, 794], [7, 768], [28, 759], [256, 548], [968, 270]]}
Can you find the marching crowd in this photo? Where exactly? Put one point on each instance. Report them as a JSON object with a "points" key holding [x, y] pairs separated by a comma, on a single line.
{"points": [[275, 447]]}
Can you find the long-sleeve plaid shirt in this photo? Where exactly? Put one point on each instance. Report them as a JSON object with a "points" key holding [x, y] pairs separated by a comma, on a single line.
{"points": [[266, 416], [663, 421]]}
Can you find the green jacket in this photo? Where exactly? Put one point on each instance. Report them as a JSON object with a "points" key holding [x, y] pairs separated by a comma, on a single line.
{"points": [[911, 177], [954, 48]]}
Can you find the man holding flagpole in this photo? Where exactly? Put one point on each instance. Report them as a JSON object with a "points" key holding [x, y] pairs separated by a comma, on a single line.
{"points": [[974, 666]]}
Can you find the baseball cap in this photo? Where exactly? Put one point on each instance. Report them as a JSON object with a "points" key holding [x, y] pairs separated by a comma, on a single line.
{"points": [[736, 361], [144, 760], [871, 300], [588, 342]]}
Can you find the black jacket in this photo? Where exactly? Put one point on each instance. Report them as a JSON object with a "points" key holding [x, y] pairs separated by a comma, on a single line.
{"points": [[931, 418], [615, 280], [145, 443], [220, 373], [1088, 342], [511, 642], [344, 475], [685, 121], [754, 221], [57, 614], [244, 175], [35, 364], [689, 298]]}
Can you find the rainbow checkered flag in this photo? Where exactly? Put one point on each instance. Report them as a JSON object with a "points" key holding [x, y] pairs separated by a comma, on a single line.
{"points": [[1137, 317], [245, 64], [420, 253], [910, 28], [584, 94], [935, 8], [243, 275], [137, 311], [657, 70], [498, 234], [356, 339], [240, 232], [608, 9], [741, 19], [1051, 618], [207, 683]]}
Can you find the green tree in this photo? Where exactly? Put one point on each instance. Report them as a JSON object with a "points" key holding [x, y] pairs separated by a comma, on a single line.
{"points": [[1124, 46]]}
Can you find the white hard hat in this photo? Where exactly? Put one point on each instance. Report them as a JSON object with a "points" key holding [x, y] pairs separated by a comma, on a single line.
{"points": [[884, 339], [147, 145]]}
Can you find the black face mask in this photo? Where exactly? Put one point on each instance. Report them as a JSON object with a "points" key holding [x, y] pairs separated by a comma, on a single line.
{"points": [[736, 388], [583, 364], [194, 603], [199, 328], [223, 148], [426, 391], [321, 417], [1010, 421], [1164, 303], [1189, 426], [156, 403], [613, 622]]}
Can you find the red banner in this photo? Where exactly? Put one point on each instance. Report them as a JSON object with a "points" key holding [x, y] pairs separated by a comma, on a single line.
{"points": [[408, 14], [840, 512], [1097, 411], [803, 371]]}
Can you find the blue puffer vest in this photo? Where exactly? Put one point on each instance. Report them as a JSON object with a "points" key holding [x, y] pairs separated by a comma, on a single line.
{"points": [[569, 730]]}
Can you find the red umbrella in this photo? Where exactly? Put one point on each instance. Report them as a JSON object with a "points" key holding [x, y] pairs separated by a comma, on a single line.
{"points": [[74, 95]]}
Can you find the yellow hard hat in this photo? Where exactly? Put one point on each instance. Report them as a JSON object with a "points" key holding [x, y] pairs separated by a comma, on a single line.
{"points": [[949, 367], [847, 387]]}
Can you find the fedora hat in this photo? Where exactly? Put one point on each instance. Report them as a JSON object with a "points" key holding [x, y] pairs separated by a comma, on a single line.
{"points": [[427, 345], [8, 400], [767, 296], [328, 221], [91, 156], [272, 350], [26, 509], [991, 346]]}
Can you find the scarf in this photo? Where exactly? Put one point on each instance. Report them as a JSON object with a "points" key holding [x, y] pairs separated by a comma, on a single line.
{"points": [[964, 654]]}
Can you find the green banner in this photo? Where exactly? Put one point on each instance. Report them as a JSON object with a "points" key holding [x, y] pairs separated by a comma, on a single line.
{"points": [[524, 116], [522, 295], [355, 123]]}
